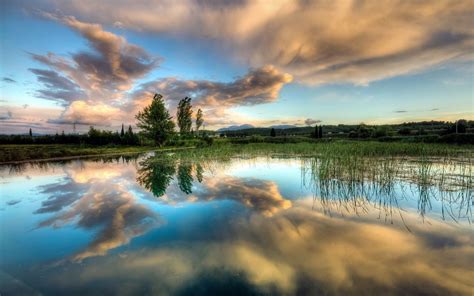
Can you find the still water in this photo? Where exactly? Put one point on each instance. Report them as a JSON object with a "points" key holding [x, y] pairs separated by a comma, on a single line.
{"points": [[245, 226]]}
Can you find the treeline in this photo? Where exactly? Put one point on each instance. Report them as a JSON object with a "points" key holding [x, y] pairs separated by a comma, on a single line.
{"points": [[92, 137], [362, 131], [154, 121]]}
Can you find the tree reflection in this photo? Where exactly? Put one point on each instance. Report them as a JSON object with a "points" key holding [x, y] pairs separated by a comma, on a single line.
{"points": [[155, 174], [185, 180], [199, 172]]}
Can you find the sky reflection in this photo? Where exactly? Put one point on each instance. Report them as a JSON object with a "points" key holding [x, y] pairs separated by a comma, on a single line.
{"points": [[167, 226]]}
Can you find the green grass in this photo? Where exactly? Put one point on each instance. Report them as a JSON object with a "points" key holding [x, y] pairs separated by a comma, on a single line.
{"points": [[223, 148]]}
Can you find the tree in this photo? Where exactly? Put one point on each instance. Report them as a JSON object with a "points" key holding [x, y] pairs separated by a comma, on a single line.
{"points": [[183, 116], [406, 131], [315, 133], [31, 133], [199, 120], [155, 121], [272, 133], [122, 132], [320, 132], [461, 126], [130, 138]]}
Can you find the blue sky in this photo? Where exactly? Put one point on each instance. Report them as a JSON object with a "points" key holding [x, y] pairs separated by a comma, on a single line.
{"points": [[66, 63]]}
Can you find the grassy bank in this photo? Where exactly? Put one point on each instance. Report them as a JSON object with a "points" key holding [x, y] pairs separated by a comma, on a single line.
{"points": [[12, 153]]}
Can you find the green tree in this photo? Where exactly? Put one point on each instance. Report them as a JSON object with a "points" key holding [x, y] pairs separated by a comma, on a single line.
{"points": [[155, 121], [122, 132], [183, 116], [31, 133], [320, 132], [272, 132], [315, 133], [199, 120], [461, 126]]}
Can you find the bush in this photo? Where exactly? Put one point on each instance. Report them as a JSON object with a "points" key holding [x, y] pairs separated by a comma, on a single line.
{"points": [[457, 139]]}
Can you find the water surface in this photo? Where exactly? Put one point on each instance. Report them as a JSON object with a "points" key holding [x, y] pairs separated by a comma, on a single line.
{"points": [[161, 225]]}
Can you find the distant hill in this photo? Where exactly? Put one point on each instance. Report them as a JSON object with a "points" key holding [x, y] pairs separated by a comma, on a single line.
{"points": [[235, 128], [249, 126], [283, 126]]}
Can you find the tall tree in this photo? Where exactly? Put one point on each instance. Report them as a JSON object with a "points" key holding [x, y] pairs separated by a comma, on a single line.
{"points": [[272, 132], [316, 132], [320, 133], [155, 121], [183, 115], [199, 119], [31, 133], [122, 132]]}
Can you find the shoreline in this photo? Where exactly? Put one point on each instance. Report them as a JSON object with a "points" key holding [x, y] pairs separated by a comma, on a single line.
{"points": [[80, 156]]}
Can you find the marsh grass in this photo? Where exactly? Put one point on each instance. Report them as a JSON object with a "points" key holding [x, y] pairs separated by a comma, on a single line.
{"points": [[353, 176]]}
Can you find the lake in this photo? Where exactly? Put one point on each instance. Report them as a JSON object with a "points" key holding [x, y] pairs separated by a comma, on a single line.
{"points": [[163, 225]]}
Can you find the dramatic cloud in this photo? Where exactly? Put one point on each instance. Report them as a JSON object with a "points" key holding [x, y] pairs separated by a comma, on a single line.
{"points": [[89, 84], [316, 41], [93, 85], [113, 64], [58, 88], [258, 86]]}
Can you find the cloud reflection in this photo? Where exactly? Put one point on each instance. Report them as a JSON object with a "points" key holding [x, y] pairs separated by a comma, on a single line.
{"points": [[301, 252], [92, 200]]}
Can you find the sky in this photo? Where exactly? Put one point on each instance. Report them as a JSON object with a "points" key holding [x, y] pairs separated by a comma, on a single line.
{"points": [[299, 62]]}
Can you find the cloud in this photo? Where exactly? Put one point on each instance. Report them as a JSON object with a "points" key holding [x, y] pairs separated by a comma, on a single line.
{"points": [[113, 63], [89, 84], [13, 202], [258, 86], [316, 41], [400, 111], [9, 80], [6, 115], [17, 119], [58, 88], [81, 112], [310, 121], [93, 85]]}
